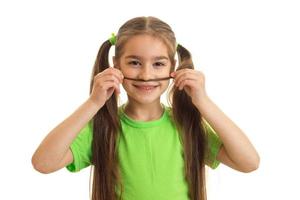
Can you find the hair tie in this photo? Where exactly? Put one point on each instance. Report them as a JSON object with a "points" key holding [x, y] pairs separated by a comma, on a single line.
{"points": [[113, 39], [176, 45]]}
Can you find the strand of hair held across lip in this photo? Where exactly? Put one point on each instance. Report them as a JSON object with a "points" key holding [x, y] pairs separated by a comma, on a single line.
{"points": [[156, 79]]}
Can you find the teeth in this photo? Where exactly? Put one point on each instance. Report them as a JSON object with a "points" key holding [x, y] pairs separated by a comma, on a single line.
{"points": [[146, 87]]}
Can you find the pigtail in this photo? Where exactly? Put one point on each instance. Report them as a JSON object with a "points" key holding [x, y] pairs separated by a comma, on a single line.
{"points": [[188, 120], [105, 129]]}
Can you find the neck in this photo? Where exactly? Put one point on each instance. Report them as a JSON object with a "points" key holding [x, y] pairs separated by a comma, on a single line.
{"points": [[144, 112]]}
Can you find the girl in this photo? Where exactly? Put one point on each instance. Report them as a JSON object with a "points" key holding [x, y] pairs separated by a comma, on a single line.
{"points": [[144, 149]]}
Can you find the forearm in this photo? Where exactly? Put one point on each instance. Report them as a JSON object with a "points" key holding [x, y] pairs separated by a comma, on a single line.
{"points": [[55, 145], [237, 145]]}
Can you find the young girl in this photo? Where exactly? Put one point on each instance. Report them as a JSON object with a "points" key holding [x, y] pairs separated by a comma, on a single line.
{"points": [[144, 149]]}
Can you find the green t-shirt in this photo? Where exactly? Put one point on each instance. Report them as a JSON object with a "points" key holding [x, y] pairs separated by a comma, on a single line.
{"points": [[150, 157]]}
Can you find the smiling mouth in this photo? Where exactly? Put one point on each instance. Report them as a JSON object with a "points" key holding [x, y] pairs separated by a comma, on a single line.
{"points": [[145, 87]]}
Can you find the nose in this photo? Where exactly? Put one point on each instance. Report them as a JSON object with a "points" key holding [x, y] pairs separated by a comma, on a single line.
{"points": [[145, 73]]}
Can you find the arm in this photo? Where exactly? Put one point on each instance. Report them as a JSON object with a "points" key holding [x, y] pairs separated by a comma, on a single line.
{"points": [[53, 153], [237, 151]]}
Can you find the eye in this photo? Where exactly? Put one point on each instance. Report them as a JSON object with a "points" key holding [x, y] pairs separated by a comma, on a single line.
{"points": [[159, 64], [134, 62]]}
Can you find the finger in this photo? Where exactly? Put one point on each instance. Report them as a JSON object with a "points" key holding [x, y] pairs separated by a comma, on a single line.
{"points": [[109, 76], [114, 85], [111, 71], [117, 72], [186, 82], [180, 71], [185, 76], [110, 84]]}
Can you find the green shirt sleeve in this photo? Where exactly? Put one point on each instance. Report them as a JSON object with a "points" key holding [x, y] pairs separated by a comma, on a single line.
{"points": [[81, 148], [214, 145]]}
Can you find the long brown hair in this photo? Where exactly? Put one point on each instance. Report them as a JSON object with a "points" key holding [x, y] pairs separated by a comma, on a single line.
{"points": [[106, 123]]}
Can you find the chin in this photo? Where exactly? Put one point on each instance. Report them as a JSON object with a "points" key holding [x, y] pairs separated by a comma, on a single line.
{"points": [[144, 99], [145, 93]]}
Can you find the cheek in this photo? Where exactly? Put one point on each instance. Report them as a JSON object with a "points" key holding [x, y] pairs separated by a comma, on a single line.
{"points": [[166, 70], [126, 85], [129, 72], [164, 84]]}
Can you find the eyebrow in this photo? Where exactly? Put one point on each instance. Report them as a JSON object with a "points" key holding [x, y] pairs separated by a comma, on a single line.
{"points": [[141, 58]]}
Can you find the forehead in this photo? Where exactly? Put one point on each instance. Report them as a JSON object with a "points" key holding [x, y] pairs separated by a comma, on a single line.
{"points": [[145, 46]]}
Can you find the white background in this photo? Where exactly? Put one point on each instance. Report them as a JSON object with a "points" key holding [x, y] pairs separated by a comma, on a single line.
{"points": [[248, 50]]}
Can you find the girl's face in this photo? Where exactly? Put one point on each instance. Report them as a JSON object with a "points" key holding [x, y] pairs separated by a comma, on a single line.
{"points": [[145, 57]]}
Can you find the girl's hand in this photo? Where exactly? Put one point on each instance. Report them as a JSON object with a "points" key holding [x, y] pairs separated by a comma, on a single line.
{"points": [[105, 83], [193, 83]]}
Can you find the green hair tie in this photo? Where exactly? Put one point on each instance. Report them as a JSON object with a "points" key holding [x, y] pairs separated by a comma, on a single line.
{"points": [[176, 45], [113, 39]]}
